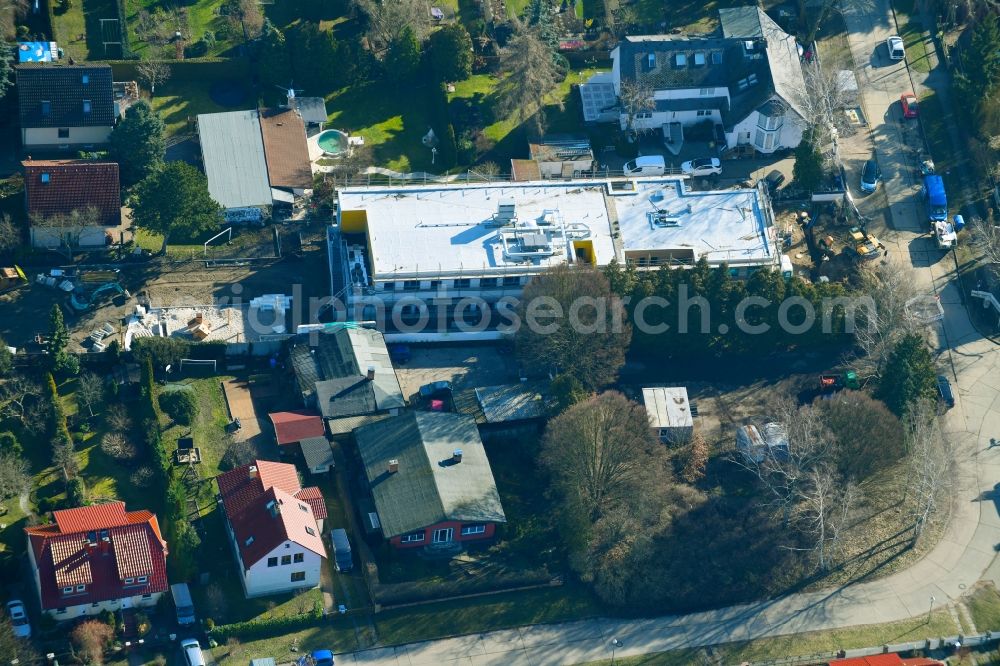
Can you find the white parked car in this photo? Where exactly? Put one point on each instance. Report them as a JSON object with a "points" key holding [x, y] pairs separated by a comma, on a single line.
{"points": [[895, 46], [19, 618], [705, 166]]}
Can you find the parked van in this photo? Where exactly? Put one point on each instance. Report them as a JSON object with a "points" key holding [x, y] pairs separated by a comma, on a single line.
{"points": [[341, 550], [182, 602], [192, 652], [647, 165]]}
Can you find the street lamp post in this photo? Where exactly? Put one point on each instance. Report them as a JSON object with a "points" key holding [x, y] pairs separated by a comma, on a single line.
{"points": [[615, 644], [930, 610]]}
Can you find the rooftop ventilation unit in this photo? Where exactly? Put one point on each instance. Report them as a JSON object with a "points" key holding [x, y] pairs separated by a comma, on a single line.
{"points": [[662, 219], [506, 212]]}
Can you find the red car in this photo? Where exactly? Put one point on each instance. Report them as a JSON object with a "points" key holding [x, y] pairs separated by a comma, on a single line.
{"points": [[910, 106]]}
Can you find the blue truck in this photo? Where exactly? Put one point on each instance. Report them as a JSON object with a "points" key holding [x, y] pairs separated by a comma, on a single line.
{"points": [[935, 198]]}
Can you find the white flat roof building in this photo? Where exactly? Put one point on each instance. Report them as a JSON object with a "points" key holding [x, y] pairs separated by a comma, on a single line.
{"points": [[480, 236]]}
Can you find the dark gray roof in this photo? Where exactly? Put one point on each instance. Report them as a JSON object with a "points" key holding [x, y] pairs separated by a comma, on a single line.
{"points": [[346, 425], [317, 452], [513, 402], [312, 109], [333, 373], [782, 52], [353, 395], [65, 88], [749, 43], [691, 104], [429, 487]]}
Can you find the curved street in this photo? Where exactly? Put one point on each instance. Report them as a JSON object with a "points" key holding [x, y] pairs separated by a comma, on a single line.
{"points": [[967, 551]]}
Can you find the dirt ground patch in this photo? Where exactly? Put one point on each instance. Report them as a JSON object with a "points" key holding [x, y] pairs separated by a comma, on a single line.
{"points": [[24, 312], [241, 407], [465, 366]]}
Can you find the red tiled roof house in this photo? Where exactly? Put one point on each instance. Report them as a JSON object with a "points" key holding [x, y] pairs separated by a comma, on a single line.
{"points": [[275, 527], [97, 558], [71, 202], [294, 426]]}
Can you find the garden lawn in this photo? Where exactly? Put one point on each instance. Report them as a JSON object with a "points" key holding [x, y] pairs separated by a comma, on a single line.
{"points": [[202, 16], [477, 615], [984, 607], [209, 427], [393, 124], [914, 37], [834, 48], [940, 623], [215, 557], [178, 101]]}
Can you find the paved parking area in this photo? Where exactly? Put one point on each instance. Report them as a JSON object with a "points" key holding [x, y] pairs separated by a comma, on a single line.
{"points": [[237, 392], [465, 366]]}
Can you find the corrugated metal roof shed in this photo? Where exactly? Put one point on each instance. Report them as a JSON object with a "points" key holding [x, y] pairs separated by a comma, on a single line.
{"points": [[668, 407], [233, 153]]}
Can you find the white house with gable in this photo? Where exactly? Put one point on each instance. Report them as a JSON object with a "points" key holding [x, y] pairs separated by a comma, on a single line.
{"points": [[275, 527], [746, 80]]}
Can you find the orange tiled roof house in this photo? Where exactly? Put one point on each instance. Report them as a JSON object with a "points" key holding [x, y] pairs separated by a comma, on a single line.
{"points": [[97, 558]]}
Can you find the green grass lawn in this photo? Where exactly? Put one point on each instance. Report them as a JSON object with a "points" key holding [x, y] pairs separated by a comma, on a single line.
{"points": [[932, 119], [810, 643], [177, 101], [915, 39], [469, 616], [984, 607], [202, 16], [393, 124], [209, 427], [69, 29], [834, 48]]}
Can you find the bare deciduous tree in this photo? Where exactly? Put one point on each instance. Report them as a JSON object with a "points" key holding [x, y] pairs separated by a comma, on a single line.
{"points": [[986, 236], [17, 398], [238, 452], [91, 639], [881, 324], [825, 504], [784, 468], [635, 97], [823, 100], [531, 74], [599, 451], [67, 228], [10, 234], [388, 18], [15, 475], [931, 462], [118, 418], [152, 74], [90, 391], [587, 342], [115, 445], [64, 457]]}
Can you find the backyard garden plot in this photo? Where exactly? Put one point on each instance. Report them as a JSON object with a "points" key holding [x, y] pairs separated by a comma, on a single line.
{"points": [[203, 27]]}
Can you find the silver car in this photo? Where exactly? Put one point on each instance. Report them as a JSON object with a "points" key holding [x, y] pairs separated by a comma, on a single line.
{"points": [[895, 46], [19, 618]]}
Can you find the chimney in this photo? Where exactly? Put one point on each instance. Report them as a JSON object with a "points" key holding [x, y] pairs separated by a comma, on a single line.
{"points": [[252, 471], [393, 466], [371, 373], [456, 456]]}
